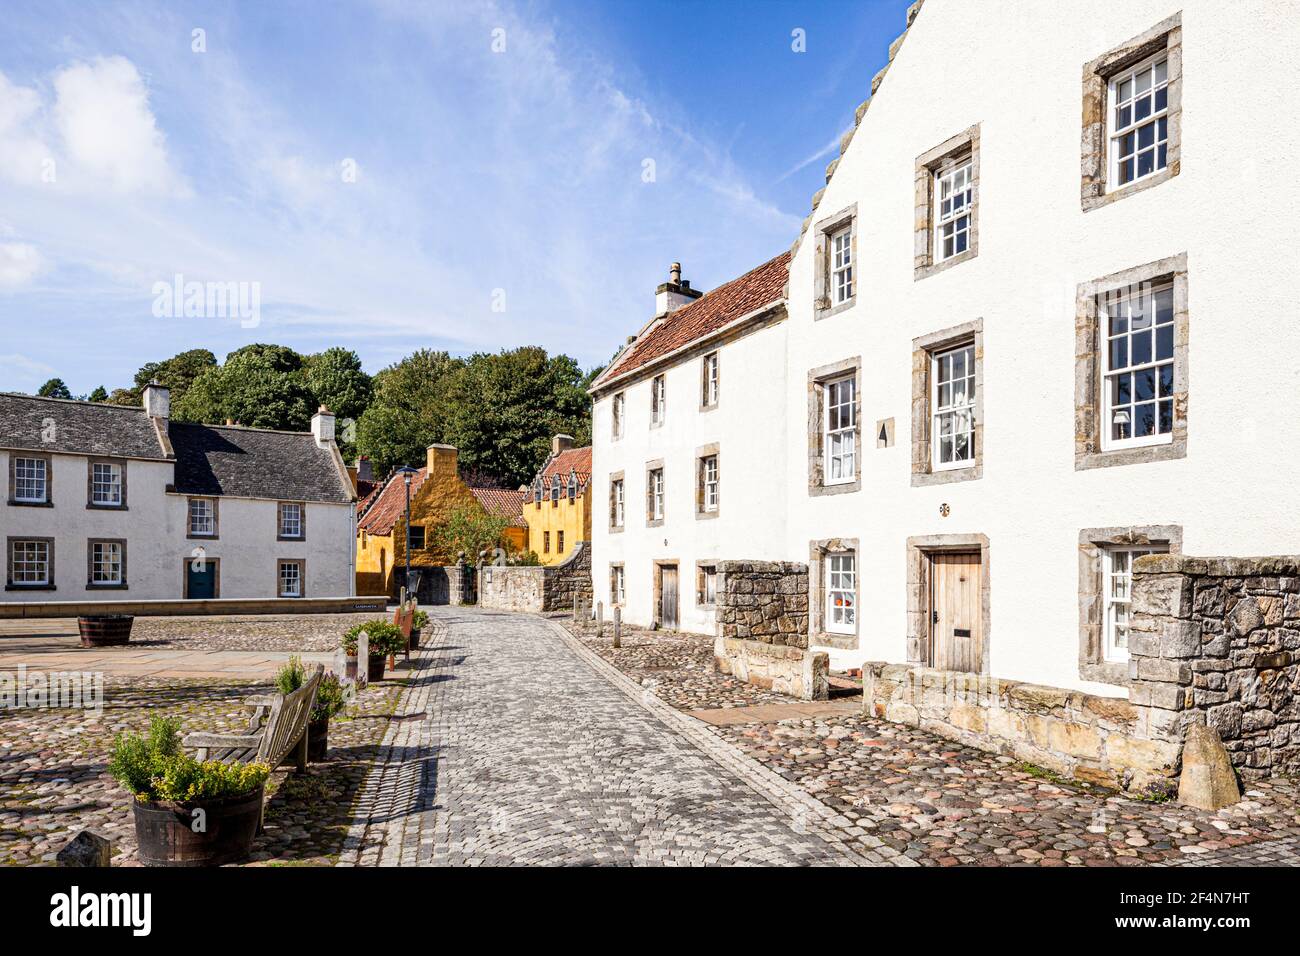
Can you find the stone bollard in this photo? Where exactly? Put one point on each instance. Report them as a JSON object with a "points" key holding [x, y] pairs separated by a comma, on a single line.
{"points": [[618, 627], [600, 618], [576, 607], [87, 848]]}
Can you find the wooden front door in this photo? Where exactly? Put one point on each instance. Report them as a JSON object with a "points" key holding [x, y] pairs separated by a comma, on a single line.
{"points": [[956, 619], [200, 578], [668, 596]]}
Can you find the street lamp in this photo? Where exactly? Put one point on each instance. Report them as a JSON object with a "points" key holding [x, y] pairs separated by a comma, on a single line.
{"points": [[407, 474]]}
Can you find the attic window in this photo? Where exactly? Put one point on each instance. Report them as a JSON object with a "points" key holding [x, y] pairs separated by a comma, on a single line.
{"points": [[573, 484]]}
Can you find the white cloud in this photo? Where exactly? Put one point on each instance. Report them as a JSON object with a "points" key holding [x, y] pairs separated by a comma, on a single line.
{"points": [[19, 263], [19, 373]]}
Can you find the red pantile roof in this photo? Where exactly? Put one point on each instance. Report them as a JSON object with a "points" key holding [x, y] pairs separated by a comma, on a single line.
{"points": [[728, 302], [502, 501], [574, 459], [390, 504]]}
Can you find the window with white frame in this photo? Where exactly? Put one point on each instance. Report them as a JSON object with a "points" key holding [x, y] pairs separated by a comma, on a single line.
{"points": [[842, 265], [841, 592], [291, 579], [706, 592], [29, 563], [709, 386], [555, 487], [31, 480], [954, 190], [617, 587], [616, 503], [1138, 367], [841, 438], [203, 517], [658, 399], [952, 398], [656, 494], [709, 482], [290, 520], [571, 491], [106, 484], [1117, 591], [106, 563], [618, 407], [1139, 121]]}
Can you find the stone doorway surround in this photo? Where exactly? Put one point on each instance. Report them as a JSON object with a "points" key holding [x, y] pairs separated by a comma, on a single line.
{"points": [[918, 592], [657, 589]]}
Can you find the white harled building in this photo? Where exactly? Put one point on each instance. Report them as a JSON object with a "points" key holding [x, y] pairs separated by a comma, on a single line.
{"points": [[1038, 324]]}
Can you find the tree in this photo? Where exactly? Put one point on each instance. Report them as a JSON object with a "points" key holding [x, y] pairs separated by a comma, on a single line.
{"points": [[176, 373], [257, 386], [503, 410], [336, 379], [407, 411], [54, 388], [100, 394], [470, 529]]}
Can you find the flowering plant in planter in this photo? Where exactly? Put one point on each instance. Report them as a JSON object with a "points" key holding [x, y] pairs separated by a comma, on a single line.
{"points": [[385, 638], [330, 699]]}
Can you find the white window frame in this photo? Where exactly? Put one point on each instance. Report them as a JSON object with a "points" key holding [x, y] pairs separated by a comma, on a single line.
{"points": [[709, 477], [618, 411], [37, 478], [840, 246], [619, 586], [708, 596], [658, 399], [618, 493], [1117, 597], [946, 177], [840, 444], [287, 508], [657, 494], [36, 554], [210, 517], [106, 557], [842, 585], [951, 411], [281, 591], [106, 484], [1115, 132], [1107, 336], [709, 396]]}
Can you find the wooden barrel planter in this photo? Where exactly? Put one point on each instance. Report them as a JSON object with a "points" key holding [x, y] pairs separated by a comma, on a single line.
{"points": [[375, 667], [105, 630], [415, 639], [318, 740], [164, 830]]}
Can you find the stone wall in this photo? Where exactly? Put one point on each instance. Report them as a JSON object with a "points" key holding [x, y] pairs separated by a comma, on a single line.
{"points": [[1096, 739], [1217, 641], [538, 589], [762, 628], [443, 585]]}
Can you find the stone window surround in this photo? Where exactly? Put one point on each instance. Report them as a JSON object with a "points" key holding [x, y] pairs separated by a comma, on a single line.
{"points": [[706, 406], [9, 560], [302, 578], [279, 536], [615, 478], [923, 349], [706, 451], [216, 519], [618, 415], [650, 520], [1094, 161], [700, 567], [90, 565], [613, 583], [823, 230], [661, 406], [13, 479], [918, 591], [817, 554], [90, 483], [817, 380], [216, 580], [927, 164], [1092, 541], [1088, 399]]}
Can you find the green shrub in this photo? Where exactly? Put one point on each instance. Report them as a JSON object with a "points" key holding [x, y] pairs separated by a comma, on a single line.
{"points": [[385, 638], [153, 767], [420, 620], [330, 697], [291, 676]]}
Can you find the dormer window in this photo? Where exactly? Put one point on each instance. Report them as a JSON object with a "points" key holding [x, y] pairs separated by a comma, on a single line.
{"points": [[573, 485], [555, 487]]}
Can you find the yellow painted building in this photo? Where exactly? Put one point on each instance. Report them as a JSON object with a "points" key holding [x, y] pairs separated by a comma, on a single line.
{"points": [[437, 490], [558, 503]]}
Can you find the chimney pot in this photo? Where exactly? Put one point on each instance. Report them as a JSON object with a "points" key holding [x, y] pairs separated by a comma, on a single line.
{"points": [[675, 273]]}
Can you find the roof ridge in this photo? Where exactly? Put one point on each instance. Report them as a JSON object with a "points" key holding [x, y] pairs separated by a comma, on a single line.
{"points": [[72, 401], [241, 428]]}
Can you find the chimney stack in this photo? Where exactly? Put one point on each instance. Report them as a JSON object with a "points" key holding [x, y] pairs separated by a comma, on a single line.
{"points": [[157, 400], [674, 293], [364, 471], [322, 427], [561, 443], [442, 464]]}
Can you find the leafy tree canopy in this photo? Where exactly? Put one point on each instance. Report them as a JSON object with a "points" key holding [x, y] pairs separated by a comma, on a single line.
{"points": [[100, 394], [54, 388]]}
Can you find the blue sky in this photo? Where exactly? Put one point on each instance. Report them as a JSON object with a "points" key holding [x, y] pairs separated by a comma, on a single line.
{"points": [[499, 196]]}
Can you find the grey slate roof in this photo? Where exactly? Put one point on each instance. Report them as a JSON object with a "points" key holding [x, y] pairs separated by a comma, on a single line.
{"points": [[254, 463], [78, 428]]}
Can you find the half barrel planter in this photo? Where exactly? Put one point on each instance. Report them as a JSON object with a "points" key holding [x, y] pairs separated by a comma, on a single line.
{"points": [[105, 630]]}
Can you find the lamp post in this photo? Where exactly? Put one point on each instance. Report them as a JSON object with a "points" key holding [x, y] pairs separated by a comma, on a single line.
{"points": [[407, 474]]}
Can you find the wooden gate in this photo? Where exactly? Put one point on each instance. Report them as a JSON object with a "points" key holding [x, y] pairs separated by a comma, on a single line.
{"points": [[956, 619], [668, 596]]}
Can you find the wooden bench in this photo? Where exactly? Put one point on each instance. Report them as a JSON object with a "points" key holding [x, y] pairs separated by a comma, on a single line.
{"points": [[277, 728]]}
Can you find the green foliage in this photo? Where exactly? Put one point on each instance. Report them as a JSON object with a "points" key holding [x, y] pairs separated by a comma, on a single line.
{"points": [[470, 529], [385, 637], [153, 767], [524, 559], [420, 620], [100, 394], [259, 386], [330, 697], [407, 412], [54, 388], [291, 675], [336, 379]]}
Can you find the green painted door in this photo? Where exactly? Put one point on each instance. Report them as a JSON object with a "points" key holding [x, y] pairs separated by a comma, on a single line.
{"points": [[201, 579]]}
